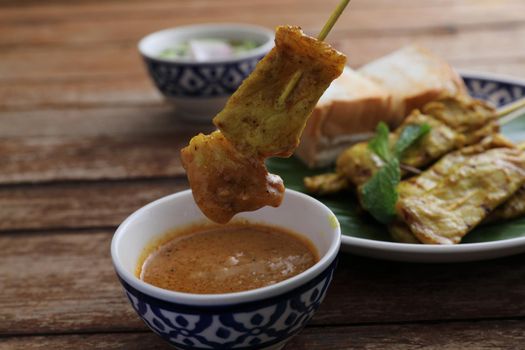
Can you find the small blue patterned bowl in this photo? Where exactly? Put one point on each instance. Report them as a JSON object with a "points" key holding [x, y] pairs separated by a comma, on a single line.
{"points": [[200, 89], [263, 318]]}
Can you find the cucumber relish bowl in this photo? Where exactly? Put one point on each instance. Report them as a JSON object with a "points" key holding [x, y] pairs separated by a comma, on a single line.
{"points": [[200, 89]]}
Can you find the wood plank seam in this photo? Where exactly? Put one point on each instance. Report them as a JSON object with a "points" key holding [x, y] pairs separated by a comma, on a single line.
{"points": [[308, 326]]}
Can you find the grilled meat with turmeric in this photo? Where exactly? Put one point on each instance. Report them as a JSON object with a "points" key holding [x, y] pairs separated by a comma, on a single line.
{"points": [[417, 185], [455, 122], [447, 201], [226, 169], [254, 121]]}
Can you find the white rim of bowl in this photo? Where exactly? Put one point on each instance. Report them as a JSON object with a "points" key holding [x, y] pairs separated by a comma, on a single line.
{"points": [[258, 51], [225, 298], [435, 250]]}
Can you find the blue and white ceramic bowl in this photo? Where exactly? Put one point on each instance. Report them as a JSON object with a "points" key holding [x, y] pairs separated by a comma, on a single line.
{"points": [[200, 89], [263, 318]]}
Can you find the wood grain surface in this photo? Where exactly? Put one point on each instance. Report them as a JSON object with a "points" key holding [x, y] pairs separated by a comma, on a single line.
{"points": [[78, 205], [72, 288], [85, 139], [482, 335]]}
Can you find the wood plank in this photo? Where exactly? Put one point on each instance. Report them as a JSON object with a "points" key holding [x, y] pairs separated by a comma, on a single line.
{"points": [[52, 282], [97, 158], [495, 335], [35, 64], [70, 63], [126, 341], [73, 288], [95, 24], [93, 144], [123, 91], [116, 91], [495, 46], [116, 121], [33, 4], [489, 335], [380, 291], [78, 205], [139, 91]]}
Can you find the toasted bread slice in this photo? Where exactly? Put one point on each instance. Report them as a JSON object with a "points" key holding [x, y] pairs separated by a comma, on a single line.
{"points": [[414, 76], [387, 89], [348, 112]]}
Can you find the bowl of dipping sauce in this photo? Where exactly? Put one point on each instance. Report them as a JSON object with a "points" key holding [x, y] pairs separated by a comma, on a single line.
{"points": [[199, 66], [200, 286]]}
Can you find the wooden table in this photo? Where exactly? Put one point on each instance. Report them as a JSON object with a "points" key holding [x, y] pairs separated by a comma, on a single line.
{"points": [[85, 139]]}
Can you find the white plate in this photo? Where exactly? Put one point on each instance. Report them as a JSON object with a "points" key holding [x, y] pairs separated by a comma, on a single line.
{"points": [[500, 91]]}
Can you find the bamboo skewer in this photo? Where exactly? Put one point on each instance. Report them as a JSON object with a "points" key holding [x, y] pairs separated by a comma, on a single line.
{"points": [[322, 35], [505, 115], [410, 169], [511, 112], [333, 18]]}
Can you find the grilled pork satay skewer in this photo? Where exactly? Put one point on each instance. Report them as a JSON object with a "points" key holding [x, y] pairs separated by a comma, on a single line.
{"points": [[448, 200], [357, 164], [513, 207], [455, 122], [226, 169], [283, 76]]}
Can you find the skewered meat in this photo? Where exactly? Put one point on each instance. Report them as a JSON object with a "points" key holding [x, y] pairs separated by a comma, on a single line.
{"points": [[514, 207], [226, 169], [224, 181], [444, 203], [253, 119], [511, 209], [417, 185], [455, 122], [326, 183]]}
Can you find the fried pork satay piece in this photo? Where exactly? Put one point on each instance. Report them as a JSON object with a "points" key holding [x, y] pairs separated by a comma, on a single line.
{"points": [[444, 211], [475, 119], [400, 232], [326, 184], [254, 120], [511, 209], [224, 181], [514, 207], [358, 164], [432, 177]]}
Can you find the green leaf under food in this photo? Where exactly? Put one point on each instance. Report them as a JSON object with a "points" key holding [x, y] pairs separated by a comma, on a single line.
{"points": [[356, 223]]}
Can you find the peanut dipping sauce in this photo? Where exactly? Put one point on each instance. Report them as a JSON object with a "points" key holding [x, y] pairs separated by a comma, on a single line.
{"points": [[226, 258]]}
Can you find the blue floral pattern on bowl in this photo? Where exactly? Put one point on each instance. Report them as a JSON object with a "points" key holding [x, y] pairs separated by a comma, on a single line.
{"points": [[498, 92], [254, 325], [199, 80]]}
